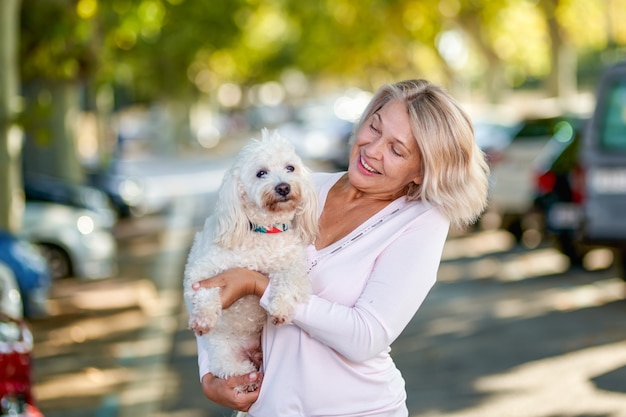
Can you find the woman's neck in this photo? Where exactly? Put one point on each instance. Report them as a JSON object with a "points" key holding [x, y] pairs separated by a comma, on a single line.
{"points": [[346, 191]]}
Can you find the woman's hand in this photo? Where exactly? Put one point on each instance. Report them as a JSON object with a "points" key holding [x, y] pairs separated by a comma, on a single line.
{"points": [[235, 284], [226, 393]]}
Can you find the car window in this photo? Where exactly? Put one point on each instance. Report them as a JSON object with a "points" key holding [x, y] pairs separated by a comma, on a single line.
{"points": [[613, 124]]}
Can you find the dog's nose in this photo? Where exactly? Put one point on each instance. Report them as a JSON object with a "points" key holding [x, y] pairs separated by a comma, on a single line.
{"points": [[282, 189]]}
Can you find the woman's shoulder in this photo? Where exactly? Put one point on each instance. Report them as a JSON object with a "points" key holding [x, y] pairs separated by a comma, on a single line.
{"points": [[419, 211]]}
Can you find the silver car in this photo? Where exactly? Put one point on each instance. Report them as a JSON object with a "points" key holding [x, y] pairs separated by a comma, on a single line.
{"points": [[603, 157], [72, 240]]}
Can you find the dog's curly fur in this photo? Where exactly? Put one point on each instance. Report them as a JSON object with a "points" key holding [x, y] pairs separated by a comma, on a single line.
{"points": [[268, 184]]}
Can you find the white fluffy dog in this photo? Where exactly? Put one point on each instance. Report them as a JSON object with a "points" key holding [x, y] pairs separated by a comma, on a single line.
{"points": [[265, 217]]}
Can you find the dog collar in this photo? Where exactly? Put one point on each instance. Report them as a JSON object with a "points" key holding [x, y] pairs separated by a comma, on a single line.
{"points": [[273, 228]]}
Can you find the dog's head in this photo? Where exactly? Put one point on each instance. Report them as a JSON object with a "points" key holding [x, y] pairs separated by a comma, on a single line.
{"points": [[267, 184]]}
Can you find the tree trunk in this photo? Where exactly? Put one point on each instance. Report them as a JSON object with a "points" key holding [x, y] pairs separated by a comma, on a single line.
{"points": [[495, 86], [50, 147], [561, 82], [11, 195]]}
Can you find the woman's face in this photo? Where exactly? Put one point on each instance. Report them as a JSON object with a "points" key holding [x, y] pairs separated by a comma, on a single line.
{"points": [[385, 158]]}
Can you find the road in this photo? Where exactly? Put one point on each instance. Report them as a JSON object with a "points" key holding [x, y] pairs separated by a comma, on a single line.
{"points": [[506, 332]]}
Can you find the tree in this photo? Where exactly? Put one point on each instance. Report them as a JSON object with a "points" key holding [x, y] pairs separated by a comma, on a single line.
{"points": [[11, 198]]}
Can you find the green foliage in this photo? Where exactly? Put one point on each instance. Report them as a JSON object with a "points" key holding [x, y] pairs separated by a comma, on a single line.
{"points": [[54, 42], [179, 48]]}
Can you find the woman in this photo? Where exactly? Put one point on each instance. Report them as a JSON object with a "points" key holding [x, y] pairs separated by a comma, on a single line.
{"points": [[414, 170]]}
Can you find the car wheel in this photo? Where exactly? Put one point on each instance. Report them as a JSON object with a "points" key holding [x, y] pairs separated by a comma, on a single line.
{"points": [[515, 227], [568, 247], [58, 261]]}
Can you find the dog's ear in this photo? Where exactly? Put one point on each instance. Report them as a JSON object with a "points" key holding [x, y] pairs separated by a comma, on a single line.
{"points": [[306, 218], [232, 222]]}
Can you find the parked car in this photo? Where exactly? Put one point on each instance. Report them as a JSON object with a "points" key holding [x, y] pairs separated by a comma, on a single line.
{"points": [[559, 193], [132, 191], [16, 368], [28, 268], [603, 161], [72, 240], [55, 190], [511, 188]]}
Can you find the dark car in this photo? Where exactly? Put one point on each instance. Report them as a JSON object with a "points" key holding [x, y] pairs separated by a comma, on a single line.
{"points": [[511, 188], [558, 190]]}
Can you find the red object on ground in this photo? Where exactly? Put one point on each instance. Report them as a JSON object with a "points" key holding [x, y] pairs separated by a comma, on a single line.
{"points": [[16, 345]]}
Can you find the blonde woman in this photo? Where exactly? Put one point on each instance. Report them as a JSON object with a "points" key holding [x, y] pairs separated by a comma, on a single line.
{"points": [[414, 170]]}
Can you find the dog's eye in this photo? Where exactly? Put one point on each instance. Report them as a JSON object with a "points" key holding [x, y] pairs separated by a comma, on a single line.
{"points": [[261, 173], [290, 168]]}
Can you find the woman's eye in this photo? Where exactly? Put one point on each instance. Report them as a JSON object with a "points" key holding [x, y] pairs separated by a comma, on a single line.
{"points": [[395, 151], [261, 173], [290, 168], [372, 127]]}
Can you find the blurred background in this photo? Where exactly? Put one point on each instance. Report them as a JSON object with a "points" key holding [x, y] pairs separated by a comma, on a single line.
{"points": [[118, 119]]}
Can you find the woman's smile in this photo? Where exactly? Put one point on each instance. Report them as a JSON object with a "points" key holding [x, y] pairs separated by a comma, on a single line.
{"points": [[366, 166]]}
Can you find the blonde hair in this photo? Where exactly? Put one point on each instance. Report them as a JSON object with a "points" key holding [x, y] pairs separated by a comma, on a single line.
{"points": [[455, 171]]}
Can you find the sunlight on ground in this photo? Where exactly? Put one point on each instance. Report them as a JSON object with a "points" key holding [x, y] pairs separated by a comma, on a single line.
{"points": [[111, 297], [143, 390], [183, 413], [538, 263], [561, 299], [143, 348], [598, 259], [61, 338], [559, 386], [83, 383], [510, 267], [516, 266], [478, 244], [187, 348]]}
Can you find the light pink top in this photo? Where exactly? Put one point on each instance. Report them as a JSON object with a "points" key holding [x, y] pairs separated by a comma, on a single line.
{"points": [[334, 359]]}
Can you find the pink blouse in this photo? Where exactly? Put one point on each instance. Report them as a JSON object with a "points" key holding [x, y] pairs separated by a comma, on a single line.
{"points": [[334, 360]]}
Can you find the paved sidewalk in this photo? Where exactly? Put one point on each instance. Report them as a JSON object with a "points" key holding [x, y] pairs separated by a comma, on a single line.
{"points": [[105, 349]]}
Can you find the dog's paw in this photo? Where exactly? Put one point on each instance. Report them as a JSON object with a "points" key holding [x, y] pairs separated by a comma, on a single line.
{"points": [[279, 320], [280, 311], [201, 324], [199, 328]]}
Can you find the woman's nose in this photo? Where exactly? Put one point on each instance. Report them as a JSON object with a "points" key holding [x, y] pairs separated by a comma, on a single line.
{"points": [[374, 147]]}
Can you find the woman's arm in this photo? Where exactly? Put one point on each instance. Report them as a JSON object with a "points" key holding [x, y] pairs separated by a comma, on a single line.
{"points": [[402, 276]]}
